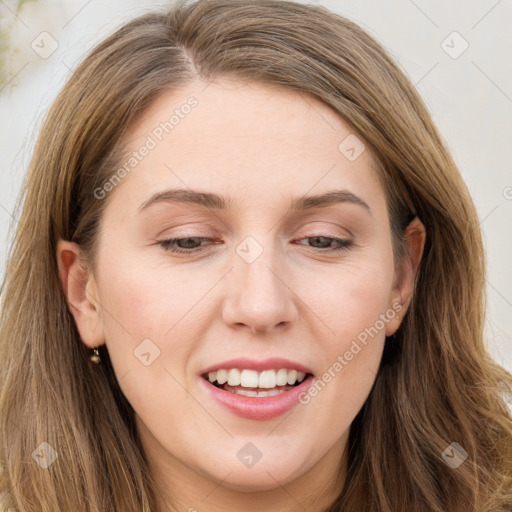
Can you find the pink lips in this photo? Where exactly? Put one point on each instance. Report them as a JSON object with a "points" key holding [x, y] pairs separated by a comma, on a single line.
{"points": [[274, 363], [254, 408]]}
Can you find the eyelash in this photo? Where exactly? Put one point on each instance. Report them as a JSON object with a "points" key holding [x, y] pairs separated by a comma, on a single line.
{"points": [[169, 245]]}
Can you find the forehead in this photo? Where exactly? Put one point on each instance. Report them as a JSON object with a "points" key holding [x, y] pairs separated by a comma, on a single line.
{"points": [[249, 142]]}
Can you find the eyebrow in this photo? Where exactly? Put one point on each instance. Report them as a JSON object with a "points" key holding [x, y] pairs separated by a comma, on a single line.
{"points": [[217, 202]]}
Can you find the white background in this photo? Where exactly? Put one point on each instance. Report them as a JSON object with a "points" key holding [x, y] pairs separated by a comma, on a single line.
{"points": [[470, 98]]}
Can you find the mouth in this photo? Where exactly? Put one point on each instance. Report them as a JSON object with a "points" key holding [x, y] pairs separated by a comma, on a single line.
{"points": [[255, 384]]}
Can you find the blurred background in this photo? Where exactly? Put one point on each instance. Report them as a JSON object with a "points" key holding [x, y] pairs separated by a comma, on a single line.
{"points": [[456, 53]]}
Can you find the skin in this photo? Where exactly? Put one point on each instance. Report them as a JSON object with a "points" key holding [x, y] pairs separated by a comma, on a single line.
{"points": [[262, 146]]}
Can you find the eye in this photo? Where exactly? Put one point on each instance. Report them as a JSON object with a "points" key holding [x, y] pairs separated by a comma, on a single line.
{"points": [[191, 244], [174, 244], [342, 243]]}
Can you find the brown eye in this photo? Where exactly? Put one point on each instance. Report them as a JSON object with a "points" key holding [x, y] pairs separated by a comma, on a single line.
{"points": [[323, 243], [186, 245]]}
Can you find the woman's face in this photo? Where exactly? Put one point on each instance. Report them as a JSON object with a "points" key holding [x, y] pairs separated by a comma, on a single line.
{"points": [[268, 281]]}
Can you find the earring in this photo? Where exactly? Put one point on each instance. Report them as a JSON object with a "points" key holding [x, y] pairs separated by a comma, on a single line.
{"points": [[95, 357]]}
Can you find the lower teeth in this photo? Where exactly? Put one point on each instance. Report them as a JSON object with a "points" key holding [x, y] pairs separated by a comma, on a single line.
{"points": [[252, 393]]}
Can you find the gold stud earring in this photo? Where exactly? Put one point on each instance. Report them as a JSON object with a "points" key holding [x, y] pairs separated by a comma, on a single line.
{"points": [[95, 357]]}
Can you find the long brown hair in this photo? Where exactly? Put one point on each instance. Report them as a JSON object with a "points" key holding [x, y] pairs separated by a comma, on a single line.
{"points": [[436, 384]]}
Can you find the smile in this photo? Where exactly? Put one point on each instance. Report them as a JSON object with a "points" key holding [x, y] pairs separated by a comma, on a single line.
{"points": [[252, 383], [267, 390]]}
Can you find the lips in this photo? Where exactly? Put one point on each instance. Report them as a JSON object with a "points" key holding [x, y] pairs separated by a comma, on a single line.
{"points": [[257, 408], [232, 384]]}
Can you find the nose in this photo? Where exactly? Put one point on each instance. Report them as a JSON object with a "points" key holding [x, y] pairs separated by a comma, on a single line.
{"points": [[260, 299]]}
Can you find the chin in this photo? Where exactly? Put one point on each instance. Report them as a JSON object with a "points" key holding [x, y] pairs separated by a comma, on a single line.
{"points": [[250, 480], [264, 475]]}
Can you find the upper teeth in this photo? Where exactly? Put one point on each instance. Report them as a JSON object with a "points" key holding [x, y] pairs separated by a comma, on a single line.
{"points": [[254, 379]]}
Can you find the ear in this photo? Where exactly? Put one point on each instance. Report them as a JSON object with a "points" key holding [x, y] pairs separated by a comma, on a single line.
{"points": [[80, 289], [414, 239]]}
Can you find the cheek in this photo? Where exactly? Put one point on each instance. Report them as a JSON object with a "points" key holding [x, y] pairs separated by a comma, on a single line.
{"points": [[353, 306], [352, 297], [350, 354], [143, 299], [143, 317], [150, 315]]}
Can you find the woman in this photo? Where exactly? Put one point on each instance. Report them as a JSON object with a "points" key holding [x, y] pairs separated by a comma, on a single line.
{"points": [[247, 275]]}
